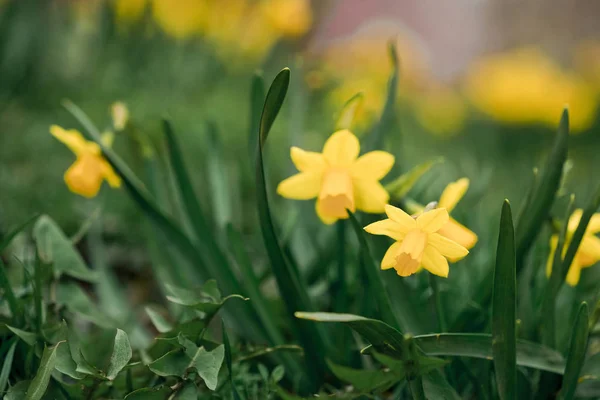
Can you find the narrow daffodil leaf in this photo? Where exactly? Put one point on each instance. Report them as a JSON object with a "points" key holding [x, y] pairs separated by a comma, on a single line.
{"points": [[228, 362], [7, 365], [586, 216], [310, 337], [39, 384], [544, 192], [218, 178], [257, 101], [376, 285], [388, 115], [400, 186], [346, 116], [366, 380], [284, 348], [504, 306], [120, 356], [576, 356]]}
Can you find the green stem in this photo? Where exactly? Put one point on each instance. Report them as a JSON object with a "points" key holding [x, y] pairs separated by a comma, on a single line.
{"points": [[416, 388], [439, 307], [341, 289], [37, 293]]}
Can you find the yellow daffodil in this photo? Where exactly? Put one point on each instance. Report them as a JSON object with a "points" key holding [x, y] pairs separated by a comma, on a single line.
{"points": [[90, 169], [418, 242], [338, 178], [128, 11], [289, 18], [453, 229], [588, 253], [181, 18]]}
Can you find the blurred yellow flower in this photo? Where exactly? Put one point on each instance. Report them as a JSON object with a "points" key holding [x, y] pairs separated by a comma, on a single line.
{"points": [[181, 18], [90, 169], [289, 18], [523, 86], [128, 11], [338, 178], [588, 253], [120, 115], [440, 110], [418, 242]]}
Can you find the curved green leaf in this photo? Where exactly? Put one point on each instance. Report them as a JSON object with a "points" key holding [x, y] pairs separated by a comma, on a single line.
{"points": [[28, 337], [576, 356], [39, 384], [366, 380], [7, 365], [120, 356], [346, 116], [155, 393]]}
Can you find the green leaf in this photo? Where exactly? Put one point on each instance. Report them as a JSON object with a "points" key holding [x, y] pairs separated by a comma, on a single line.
{"points": [[476, 345], [13, 304], [383, 337], [7, 238], [544, 191], [437, 387], [39, 384], [55, 248], [189, 391], [257, 100], [504, 306], [28, 337], [377, 287], [228, 362], [7, 365], [18, 391], [206, 363], [173, 363], [346, 116], [76, 300], [159, 322], [155, 393], [218, 178], [64, 361], [576, 356], [269, 350], [400, 186], [288, 282], [366, 380], [201, 299], [120, 356]]}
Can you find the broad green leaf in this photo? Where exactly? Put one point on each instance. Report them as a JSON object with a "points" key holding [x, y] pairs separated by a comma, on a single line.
{"points": [[13, 304], [576, 356], [159, 322], [346, 116], [504, 306], [155, 393], [476, 345], [542, 195], [383, 337], [39, 384], [206, 363], [120, 356], [7, 365], [173, 363], [189, 391], [64, 361], [228, 362], [376, 285], [76, 300], [366, 380], [83, 366], [8, 237], [400, 186], [199, 299], [18, 391], [55, 248], [28, 337], [288, 282]]}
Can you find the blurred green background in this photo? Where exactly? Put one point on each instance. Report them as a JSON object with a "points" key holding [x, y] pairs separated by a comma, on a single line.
{"points": [[471, 91]]}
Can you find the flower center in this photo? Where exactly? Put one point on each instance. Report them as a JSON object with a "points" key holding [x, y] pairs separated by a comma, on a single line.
{"points": [[411, 252], [337, 193]]}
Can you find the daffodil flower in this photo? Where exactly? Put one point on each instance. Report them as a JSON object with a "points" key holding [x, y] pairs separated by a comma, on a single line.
{"points": [[338, 178], [588, 253], [90, 169], [454, 230], [418, 242]]}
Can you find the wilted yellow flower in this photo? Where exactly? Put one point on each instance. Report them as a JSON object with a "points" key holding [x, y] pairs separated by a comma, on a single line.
{"points": [[418, 242], [120, 115], [588, 253], [90, 169], [289, 18], [440, 110], [181, 18], [338, 178], [523, 86]]}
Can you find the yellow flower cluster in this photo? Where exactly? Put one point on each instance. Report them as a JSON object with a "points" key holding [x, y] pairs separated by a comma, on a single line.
{"points": [[234, 26], [523, 86], [340, 180]]}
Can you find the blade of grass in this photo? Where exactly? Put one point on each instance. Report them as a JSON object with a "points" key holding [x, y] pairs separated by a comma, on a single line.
{"points": [[228, 362], [13, 304], [543, 193], [296, 295], [504, 342], [576, 356]]}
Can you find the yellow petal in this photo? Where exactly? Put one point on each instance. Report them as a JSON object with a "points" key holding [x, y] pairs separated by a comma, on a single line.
{"points": [[550, 261], [341, 149], [459, 233], [574, 220], [453, 193], [594, 225], [589, 250], [370, 196], [411, 252], [447, 247], [386, 227], [74, 140], [405, 221], [389, 259], [302, 186], [574, 274], [433, 221], [336, 194], [307, 160], [84, 177], [372, 166], [435, 263], [323, 216], [110, 175]]}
